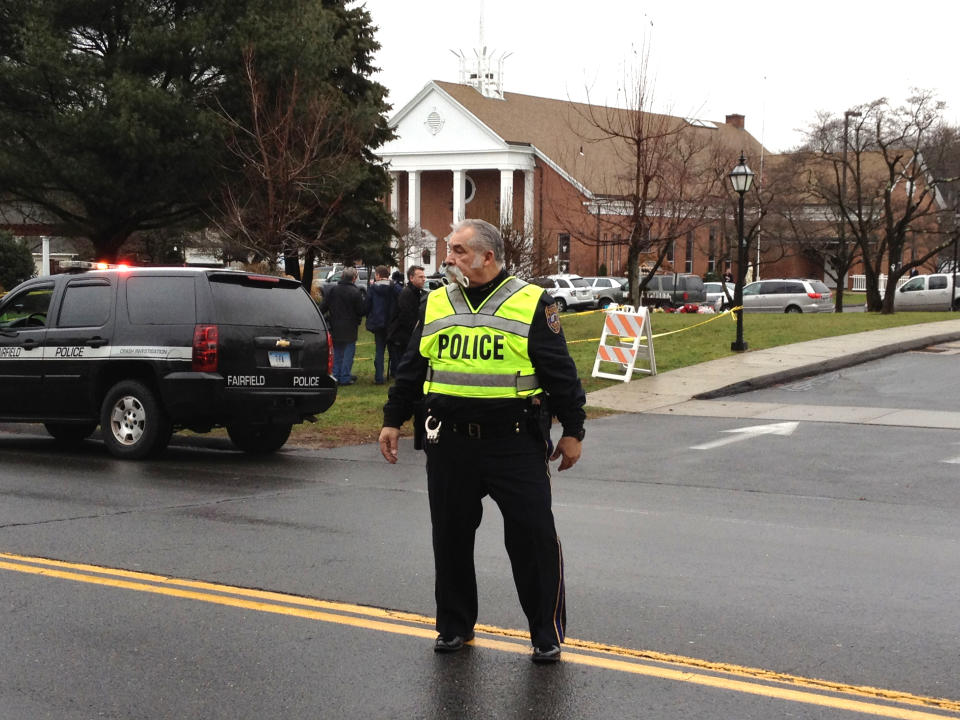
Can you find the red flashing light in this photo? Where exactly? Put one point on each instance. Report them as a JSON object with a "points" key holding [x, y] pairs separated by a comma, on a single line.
{"points": [[263, 278], [206, 353], [103, 266], [123, 267]]}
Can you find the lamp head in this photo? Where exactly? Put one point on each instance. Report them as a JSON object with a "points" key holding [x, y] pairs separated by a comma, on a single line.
{"points": [[741, 177]]}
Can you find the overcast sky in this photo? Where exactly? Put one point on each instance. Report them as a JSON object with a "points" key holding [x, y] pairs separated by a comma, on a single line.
{"points": [[777, 63]]}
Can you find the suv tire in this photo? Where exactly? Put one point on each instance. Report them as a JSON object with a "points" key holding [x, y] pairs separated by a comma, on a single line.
{"points": [[793, 309], [134, 423], [259, 439], [70, 433], [561, 304]]}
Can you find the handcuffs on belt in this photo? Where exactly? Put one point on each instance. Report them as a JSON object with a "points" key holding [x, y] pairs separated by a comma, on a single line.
{"points": [[433, 433]]}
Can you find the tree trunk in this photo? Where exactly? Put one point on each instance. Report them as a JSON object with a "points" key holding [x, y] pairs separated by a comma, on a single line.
{"points": [[308, 258], [291, 265], [107, 245]]}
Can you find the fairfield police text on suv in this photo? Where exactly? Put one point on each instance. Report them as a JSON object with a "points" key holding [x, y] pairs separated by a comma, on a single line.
{"points": [[145, 351]]}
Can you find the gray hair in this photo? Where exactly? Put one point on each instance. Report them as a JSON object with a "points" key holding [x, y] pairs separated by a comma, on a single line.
{"points": [[349, 273], [485, 237]]}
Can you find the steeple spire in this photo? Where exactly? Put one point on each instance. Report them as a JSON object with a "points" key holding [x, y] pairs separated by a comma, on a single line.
{"points": [[485, 72]]}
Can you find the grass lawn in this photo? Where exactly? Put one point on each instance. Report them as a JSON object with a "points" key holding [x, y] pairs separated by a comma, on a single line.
{"points": [[357, 414]]}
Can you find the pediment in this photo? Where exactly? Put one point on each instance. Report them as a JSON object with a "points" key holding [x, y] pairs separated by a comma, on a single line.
{"points": [[433, 122]]}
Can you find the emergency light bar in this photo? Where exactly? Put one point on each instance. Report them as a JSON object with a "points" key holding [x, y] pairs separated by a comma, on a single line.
{"points": [[81, 265]]}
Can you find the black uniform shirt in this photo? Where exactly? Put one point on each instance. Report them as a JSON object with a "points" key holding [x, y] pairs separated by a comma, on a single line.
{"points": [[548, 353]]}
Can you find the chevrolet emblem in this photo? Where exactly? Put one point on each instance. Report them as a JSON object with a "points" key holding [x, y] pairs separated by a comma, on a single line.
{"points": [[283, 343]]}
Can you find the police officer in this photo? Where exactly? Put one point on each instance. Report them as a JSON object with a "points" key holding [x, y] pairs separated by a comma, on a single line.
{"points": [[486, 358]]}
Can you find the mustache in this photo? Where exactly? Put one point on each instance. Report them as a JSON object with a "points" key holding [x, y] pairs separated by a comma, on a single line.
{"points": [[455, 274]]}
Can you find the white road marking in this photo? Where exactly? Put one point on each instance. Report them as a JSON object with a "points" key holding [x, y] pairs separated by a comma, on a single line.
{"points": [[784, 428]]}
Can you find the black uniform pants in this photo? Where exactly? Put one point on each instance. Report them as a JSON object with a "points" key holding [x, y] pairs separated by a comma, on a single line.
{"points": [[514, 472]]}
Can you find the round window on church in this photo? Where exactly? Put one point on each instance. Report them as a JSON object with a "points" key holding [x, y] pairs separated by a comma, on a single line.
{"points": [[470, 190]]}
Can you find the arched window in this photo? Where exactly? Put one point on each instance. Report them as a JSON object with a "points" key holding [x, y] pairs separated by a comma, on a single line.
{"points": [[425, 256]]}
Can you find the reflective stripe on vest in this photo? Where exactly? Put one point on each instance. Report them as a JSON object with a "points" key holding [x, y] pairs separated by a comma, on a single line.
{"points": [[480, 352]]}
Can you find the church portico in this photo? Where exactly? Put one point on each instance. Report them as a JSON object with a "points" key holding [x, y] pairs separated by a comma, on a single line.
{"points": [[433, 191]]}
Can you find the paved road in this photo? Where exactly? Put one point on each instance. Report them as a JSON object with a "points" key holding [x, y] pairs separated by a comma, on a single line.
{"points": [[829, 552]]}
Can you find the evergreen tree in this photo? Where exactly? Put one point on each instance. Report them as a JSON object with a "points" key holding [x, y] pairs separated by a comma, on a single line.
{"points": [[16, 261], [111, 111]]}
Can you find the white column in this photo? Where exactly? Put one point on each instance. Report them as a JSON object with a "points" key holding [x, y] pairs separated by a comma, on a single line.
{"points": [[413, 200], [395, 196], [528, 203], [45, 256], [459, 195], [506, 198]]}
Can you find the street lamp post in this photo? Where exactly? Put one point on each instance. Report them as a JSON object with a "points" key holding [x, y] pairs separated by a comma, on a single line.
{"points": [[741, 177], [842, 230]]}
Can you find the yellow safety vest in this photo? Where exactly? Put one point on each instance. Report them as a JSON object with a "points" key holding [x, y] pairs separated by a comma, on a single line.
{"points": [[480, 353]]}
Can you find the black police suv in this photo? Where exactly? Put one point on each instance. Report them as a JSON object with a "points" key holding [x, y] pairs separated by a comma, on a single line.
{"points": [[144, 351]]}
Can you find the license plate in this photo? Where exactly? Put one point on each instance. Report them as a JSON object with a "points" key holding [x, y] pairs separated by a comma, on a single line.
{"points": [[279, 359]]}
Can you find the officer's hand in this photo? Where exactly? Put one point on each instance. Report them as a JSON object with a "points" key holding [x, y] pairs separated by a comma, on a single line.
{"points": [[569, 447], [389, 443]]}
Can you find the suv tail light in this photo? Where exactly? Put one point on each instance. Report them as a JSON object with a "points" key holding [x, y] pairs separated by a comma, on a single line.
{"points": [[686, 296], [815, 296], [205, 348], [329, 353]]}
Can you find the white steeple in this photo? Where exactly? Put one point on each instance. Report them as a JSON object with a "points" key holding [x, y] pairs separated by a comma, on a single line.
{"points": [[485, 72]]}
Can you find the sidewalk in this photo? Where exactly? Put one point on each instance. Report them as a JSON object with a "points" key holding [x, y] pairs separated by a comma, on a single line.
{"points": [[761, 368]]}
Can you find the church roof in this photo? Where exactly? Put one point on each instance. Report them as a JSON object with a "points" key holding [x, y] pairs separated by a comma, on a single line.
{"points": [[567, 135]]}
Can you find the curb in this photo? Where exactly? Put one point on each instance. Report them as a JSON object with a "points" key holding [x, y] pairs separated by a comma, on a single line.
{"points": [[825, 366]]}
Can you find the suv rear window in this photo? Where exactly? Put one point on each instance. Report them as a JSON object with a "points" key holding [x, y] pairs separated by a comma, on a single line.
{"points": [[161, 300], [244, 301], [580, 283], [819, 287]]}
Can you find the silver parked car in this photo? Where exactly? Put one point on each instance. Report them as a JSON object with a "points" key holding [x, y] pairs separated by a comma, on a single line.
{"points": [[570, 291], [927, 292], [787, 295], [608, 290], [716, 297]]}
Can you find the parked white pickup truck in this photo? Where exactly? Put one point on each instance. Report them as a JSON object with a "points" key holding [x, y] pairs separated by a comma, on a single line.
{"points": [[928, 292]]}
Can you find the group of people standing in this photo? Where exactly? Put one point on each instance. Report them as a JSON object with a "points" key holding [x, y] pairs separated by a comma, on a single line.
{"points": [[391, 310]]}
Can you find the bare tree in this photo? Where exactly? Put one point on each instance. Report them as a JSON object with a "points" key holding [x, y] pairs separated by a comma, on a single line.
{"points": [[518, 251], [893, 201], [656, 176], [293, 150], [812, 211]]}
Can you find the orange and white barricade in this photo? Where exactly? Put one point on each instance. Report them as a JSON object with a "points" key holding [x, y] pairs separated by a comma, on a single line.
{"points": [[620, 343]]}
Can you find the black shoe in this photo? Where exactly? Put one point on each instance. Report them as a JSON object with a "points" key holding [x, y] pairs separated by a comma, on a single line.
{"points": [[547, 654], [353, 377], [451, 645], [346, 382]]}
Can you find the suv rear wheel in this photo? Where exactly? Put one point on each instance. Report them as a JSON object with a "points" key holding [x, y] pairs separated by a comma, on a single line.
{"points": [[793, 309], [561, 304], [70, 433], [134, 424], [259, 439]]}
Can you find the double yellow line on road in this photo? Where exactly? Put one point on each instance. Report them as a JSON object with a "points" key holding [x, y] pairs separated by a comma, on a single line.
{"points": [[752, 681]]}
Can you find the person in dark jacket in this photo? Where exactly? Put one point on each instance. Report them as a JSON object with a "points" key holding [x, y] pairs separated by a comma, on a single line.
{"points": [[405, 315], [378, 307], [488, 365], [344, 305]]}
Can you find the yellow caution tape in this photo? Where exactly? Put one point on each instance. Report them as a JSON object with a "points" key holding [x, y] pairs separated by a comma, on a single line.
{"points": [[729, 312]]}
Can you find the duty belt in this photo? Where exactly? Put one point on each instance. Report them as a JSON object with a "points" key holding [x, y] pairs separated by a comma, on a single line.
{"points": [[522, 383], [486, 431]]}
